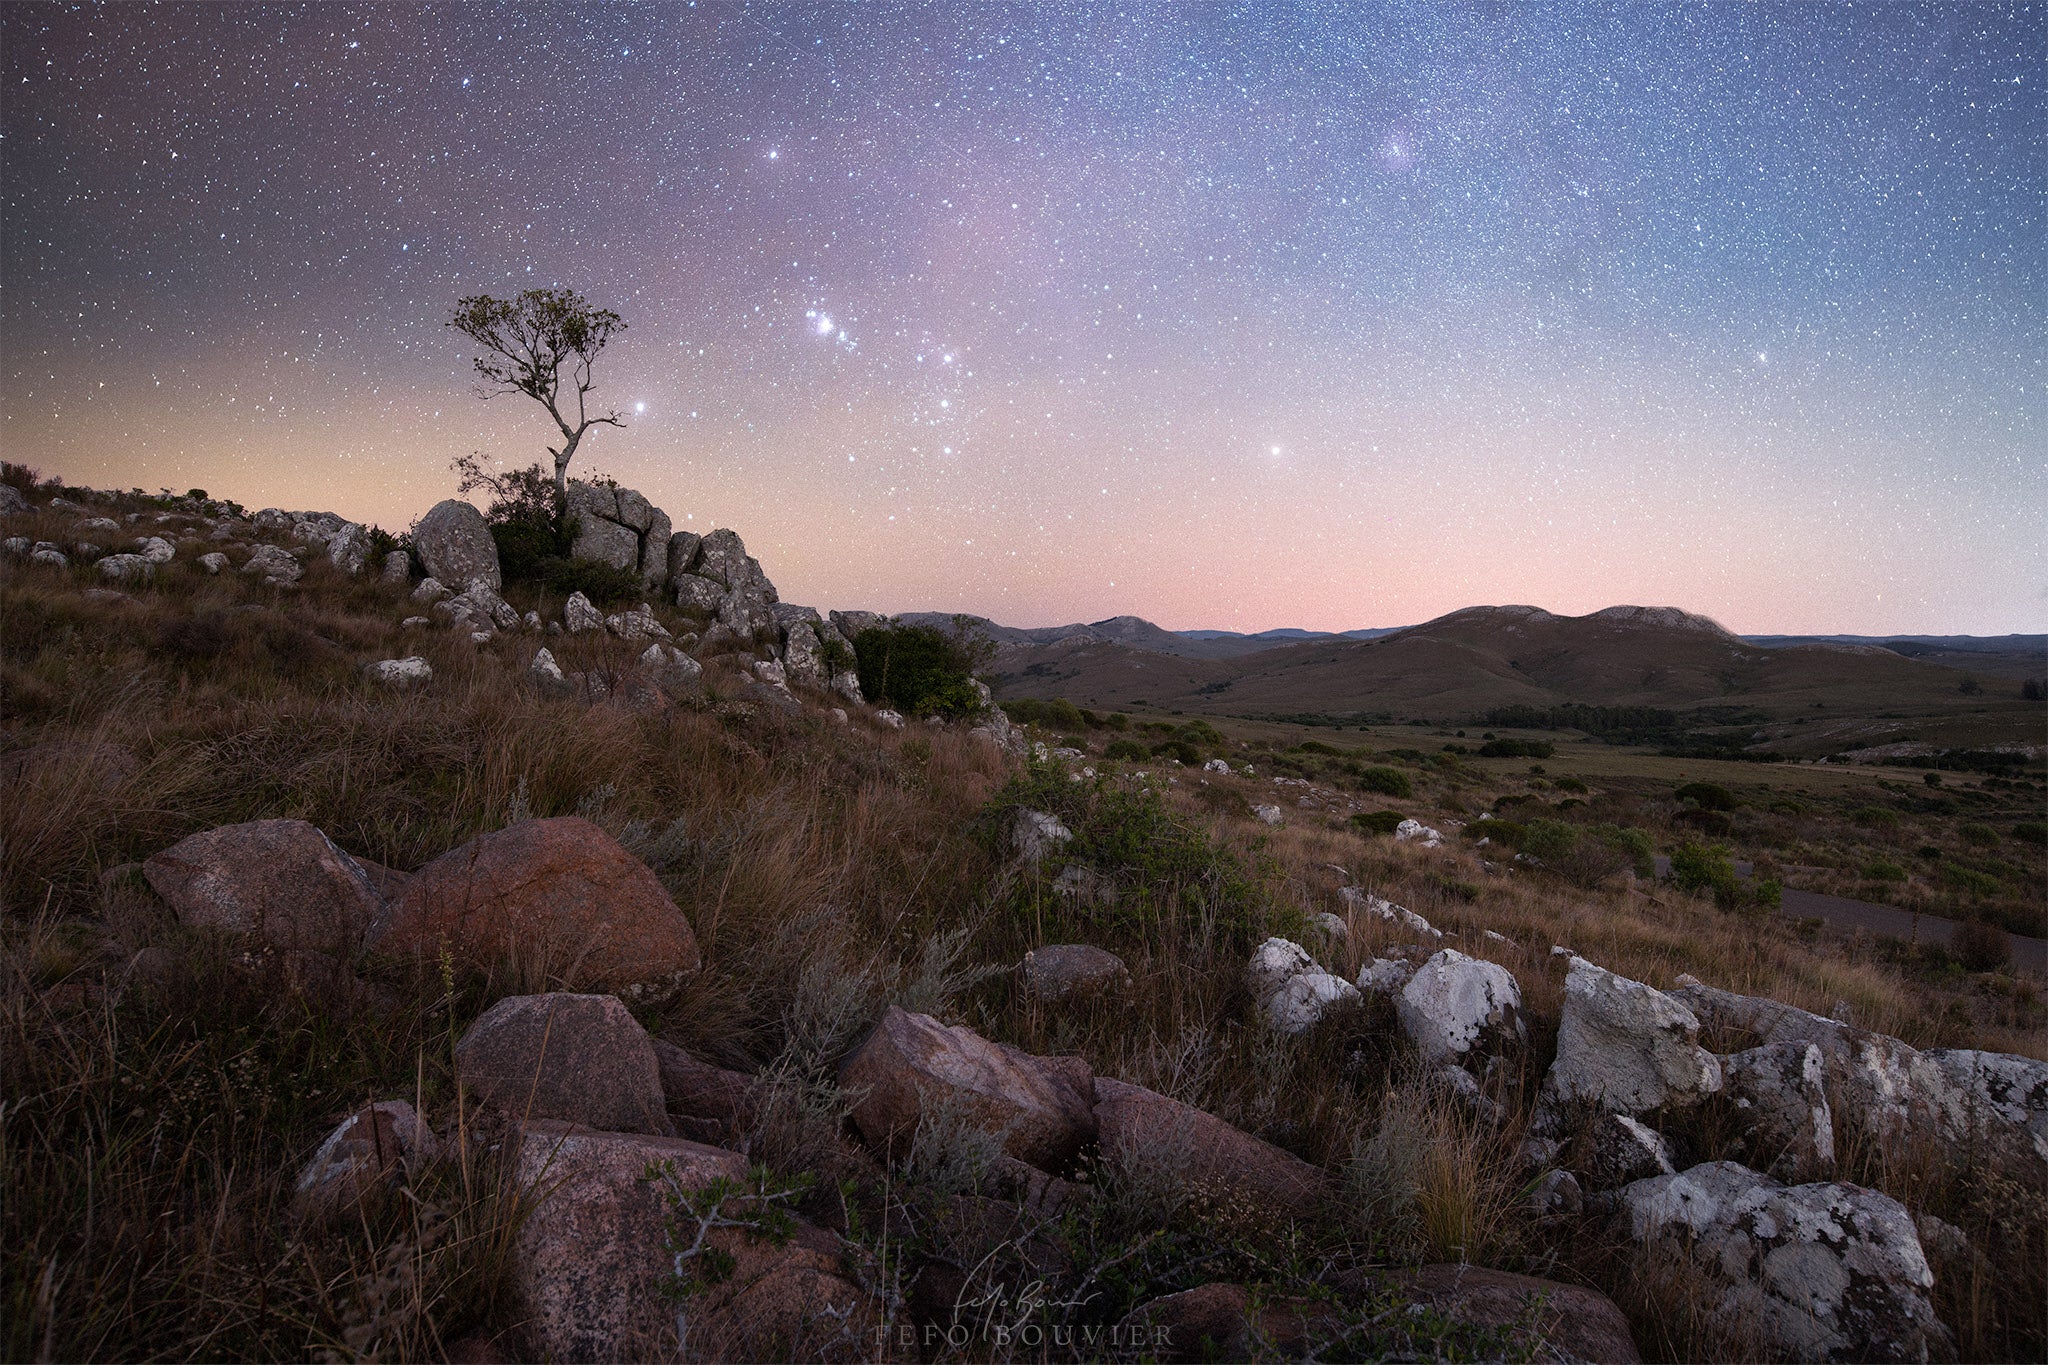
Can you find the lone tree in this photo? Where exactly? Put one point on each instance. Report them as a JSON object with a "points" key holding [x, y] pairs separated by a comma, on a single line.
{"points": [[529, 342]]}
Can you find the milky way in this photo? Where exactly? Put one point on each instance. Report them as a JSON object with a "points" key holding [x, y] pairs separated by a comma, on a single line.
{"points": [[1320, 316]]}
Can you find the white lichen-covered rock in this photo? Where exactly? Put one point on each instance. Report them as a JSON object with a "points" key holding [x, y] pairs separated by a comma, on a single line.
{"points": [[1415, 830], [547, 675], [348, 549], [1379, 907], [1627, 1047], [1621, 1150], [275, 566], [1304, 998], [1810, 1272], [1268, 815], [1974, 1105], [637, 624], [579, 615], [892, 719], [1333, 926], [454, 544], [1216, 765], [213, 561], [397, 566], [156, 550], [770, 673], [412, 671], [1385, 975], [803, 655], [1456, 1007], [479, 602], [671, 670], [1034, 833], [127, 569], [1780, 1092], [429, 590], [49, 556], [1274, 963], [697, 594]]}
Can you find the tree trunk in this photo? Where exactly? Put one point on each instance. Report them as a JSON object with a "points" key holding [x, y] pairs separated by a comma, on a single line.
{"points": [[562, 458]]}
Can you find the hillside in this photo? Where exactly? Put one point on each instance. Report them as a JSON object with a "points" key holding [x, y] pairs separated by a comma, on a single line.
{"points": [[1470, 661]]}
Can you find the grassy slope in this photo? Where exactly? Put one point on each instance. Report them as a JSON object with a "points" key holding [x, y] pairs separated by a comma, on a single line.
{"points": [[162, 1092]]}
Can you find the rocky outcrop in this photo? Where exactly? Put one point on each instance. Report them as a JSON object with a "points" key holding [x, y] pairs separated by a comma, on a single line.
{"points": [[619, 527], [912, 1066], [579, 1058], [368, 1148], [1203, 1153], [595, 1275], [1293, 992], [1626, 1047], [276, 566], [558, 894], [705, 1102], [280, 881], [454, 545], [1811, 1272], [348, 548], [1455, 1007], [401, 674], [740, 596], [1381, 908]]}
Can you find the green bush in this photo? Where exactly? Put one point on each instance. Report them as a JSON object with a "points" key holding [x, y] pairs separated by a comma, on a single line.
{"points": [[1706, 796], [1386, 781], [919, 670], [1970, 880], [1517, 748], [1377, 821], [1569, 784], [1879, 870], [1179, 750], [601, 583], [2031, 831], [1126, 751], [1705, 867], [1506, 832], [1633, 844], [1876, 817], [1974, 832], [1057, 714], [1551, 840]]}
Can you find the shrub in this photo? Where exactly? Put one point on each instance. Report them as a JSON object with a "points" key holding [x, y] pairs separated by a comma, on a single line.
{"points": [[919, 670], [1705, 867], [1970, 880], [1377, 821], [1386, 781], [1179, 750], [1714, 823], [1980, 947], [1126, 751], [1879, 870], [1569, 784], [1633, 844], [1974, 832], [1550, 840], [1877, 817], [601, 583], [1057, 714], [1517, 748], [1706, 796], [2031, 831]]}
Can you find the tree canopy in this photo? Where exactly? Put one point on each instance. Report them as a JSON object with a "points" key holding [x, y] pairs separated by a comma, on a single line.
{"points": [[543, 344]]}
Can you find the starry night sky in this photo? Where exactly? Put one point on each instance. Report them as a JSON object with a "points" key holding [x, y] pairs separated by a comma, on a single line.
{"points": [[1326, 316]]}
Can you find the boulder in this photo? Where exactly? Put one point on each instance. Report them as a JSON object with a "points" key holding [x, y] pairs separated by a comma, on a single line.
{"points": [[1034, 834], [1984, 1105], [412, 671], [1811, 1272], [593, 1271], [282, 881], [1222, 1322], [348, 549], [454, 544], [1273, 964], [682, 553], [12, 503], [911, 1064], [1779, 1090], [369, 1147], [1455, 1007], [600, 536], [891, 719], [548, 677], [1136, 1125], [213, 562], [579, 615], [397, 566], [559, 893], [1620, 1150], [49, 556], [669, 669], [1385, 975], [429, 589], [1418, 832], [276, 566], [697, 594], [719, 1105], [803, 656], [1627, 1047], [579, 1058], [127, 569], [1304, 998], [1574, 1322], [1062, 969]]}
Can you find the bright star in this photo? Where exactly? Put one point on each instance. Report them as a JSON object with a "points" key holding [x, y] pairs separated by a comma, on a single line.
{"points": [[824, 325], [639, 407]]}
